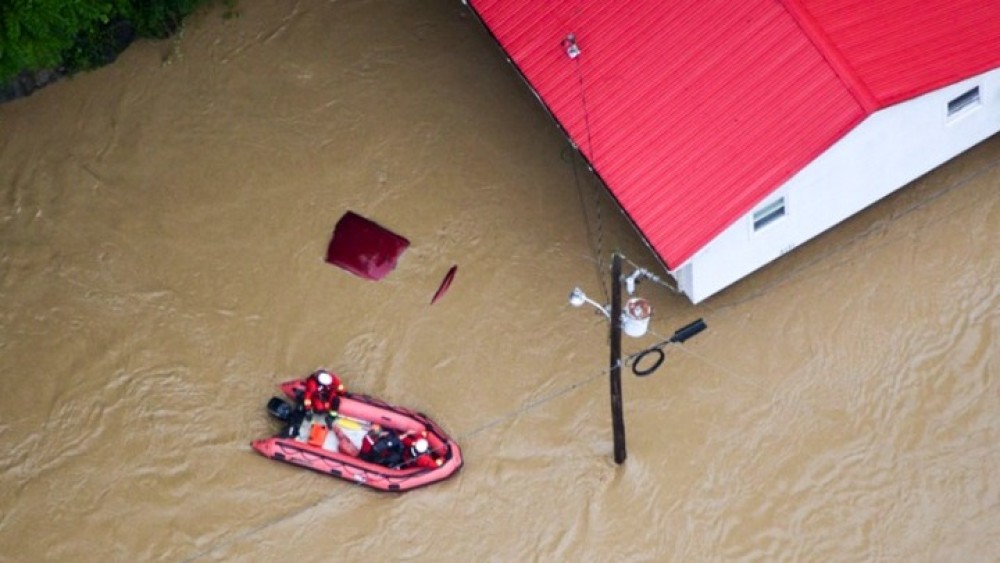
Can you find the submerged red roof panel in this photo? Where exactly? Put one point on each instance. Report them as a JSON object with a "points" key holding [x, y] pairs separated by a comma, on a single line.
{"points": [[693, 111], [364, 248]]}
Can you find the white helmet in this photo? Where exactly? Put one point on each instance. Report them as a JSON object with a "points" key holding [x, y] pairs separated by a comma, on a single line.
{"points": [[325, 378], [420, 446]]}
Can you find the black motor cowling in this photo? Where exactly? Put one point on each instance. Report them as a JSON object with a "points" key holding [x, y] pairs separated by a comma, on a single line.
{"points": [[280, 409]]}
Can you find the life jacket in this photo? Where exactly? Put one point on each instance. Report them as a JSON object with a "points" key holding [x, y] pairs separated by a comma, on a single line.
{"points": [[322, 396], [388, 450], [325, 392]]}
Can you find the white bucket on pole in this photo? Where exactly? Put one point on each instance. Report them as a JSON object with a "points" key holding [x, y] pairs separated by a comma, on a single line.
{"points": [[635, 316]]}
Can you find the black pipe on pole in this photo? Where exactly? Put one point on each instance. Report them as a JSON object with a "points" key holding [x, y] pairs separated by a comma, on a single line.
{"points": [[617, 418]]}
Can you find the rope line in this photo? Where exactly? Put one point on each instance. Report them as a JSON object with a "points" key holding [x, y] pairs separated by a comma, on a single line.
{"points": [[597, 192], [594, 249]]}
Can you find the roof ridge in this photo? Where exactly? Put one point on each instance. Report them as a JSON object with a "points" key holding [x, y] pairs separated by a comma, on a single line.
{"points": [[829, 51]]}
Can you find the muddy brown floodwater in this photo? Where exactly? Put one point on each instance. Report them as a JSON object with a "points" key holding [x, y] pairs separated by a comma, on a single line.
{"points": [[163, 233]]}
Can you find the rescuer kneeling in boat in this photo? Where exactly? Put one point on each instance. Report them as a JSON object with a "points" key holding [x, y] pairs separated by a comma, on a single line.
{"points": [[323, 391], [381, 446], [415, 450]]}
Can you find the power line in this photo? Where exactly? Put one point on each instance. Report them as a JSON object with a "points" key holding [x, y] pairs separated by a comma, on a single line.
{"points": [[573, 52]]}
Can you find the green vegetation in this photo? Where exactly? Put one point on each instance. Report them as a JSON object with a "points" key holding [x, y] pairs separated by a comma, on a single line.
{"points": [[77, 35]]}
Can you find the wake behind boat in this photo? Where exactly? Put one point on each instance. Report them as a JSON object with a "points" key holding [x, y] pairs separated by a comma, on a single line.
{"points": [[312, 443]]}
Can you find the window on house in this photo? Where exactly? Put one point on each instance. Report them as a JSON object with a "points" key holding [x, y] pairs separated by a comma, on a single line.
{"points": [[968, 100], [768, 214]]}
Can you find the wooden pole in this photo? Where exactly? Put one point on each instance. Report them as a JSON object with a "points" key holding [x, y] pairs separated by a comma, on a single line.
{"points": [[617, 418]]}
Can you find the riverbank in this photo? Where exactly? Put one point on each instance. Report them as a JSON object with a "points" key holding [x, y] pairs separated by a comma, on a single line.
{"points": [[82, 37]]}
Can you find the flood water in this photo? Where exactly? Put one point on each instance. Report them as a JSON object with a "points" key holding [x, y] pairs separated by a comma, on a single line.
{"points": [[164, 227]]}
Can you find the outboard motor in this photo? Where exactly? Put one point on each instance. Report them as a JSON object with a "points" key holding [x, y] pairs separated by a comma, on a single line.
{"points": [[279, 409]]}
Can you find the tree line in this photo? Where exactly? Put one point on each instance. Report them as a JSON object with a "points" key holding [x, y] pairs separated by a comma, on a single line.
{"points": [[74, 35]]}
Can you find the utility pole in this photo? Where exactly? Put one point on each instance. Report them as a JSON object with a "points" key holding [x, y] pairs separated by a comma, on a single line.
{"points": [[633, 324], [617, 416]]}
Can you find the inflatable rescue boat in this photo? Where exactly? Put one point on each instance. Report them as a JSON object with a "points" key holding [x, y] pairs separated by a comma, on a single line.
{"points": [[318, 446]]}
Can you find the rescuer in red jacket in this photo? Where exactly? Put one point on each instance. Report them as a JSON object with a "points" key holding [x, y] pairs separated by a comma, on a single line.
{"points": [[322, 395], [416, 450]]}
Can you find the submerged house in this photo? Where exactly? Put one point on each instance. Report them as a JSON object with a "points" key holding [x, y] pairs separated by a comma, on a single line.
{"points": [[730, 132]]}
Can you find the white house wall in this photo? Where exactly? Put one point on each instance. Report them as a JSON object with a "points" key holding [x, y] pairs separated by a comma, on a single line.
{"points": [[888, 150]]}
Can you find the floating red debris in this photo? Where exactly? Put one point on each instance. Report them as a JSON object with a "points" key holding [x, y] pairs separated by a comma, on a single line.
{"points": [[445, 283], [364, 248]]}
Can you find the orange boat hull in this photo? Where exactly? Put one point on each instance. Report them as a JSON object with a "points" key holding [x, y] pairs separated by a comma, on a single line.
{"points": [[314, 449]]}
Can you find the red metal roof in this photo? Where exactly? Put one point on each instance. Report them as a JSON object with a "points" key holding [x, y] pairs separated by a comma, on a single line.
{"points": [[693, 111], [905, 48]]}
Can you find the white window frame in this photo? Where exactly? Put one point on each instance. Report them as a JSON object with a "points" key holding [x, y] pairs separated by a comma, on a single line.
{"points": [[965, 103], [768, 214]]}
